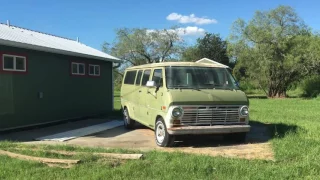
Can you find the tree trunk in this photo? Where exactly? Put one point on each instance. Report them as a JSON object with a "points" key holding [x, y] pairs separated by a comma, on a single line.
{"points": [[277, 92]]}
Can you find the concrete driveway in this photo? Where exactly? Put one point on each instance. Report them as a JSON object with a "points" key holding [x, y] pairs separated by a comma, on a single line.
{"points": [[142, 138]]}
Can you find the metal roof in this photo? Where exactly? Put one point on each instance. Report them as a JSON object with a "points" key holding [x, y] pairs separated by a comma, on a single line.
{"points": [[29, 39]]}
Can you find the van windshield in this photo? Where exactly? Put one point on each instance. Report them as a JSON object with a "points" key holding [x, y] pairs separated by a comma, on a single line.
{"points": [[199, 78]]}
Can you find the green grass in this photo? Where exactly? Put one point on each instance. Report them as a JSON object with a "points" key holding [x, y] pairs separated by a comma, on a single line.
{"points": [[117, 104], [294, 123]]}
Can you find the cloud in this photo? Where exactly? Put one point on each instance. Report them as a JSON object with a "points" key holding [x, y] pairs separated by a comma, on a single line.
{"points": [[190, 31], [190, 19], [185, 31]]}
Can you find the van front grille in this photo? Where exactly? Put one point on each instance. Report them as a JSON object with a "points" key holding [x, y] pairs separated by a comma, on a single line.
{"points": [[210, 115]]}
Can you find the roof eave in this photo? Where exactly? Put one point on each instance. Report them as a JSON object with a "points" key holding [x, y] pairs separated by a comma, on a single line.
{"points": [[52, 50]]}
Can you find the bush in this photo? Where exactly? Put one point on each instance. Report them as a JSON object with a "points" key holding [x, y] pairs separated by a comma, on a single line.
{"points": [[246, 85], [311, 86]]}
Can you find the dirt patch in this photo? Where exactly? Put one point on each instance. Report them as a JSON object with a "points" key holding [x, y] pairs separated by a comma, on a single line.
{"points": [[246, 151]]}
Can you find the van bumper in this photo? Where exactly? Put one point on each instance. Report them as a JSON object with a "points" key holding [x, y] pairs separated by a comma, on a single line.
{"points": [[216, 129]]}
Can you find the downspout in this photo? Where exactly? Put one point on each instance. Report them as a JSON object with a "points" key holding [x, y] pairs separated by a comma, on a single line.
{"points": [[112, 87]]}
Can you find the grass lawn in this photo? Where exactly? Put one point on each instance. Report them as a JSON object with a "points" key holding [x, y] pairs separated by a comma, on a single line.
{"points": [[116, 100], [294, 122]]}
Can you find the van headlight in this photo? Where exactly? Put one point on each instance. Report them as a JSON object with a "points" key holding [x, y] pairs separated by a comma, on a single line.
{"points": [[176, 112], [244, 111]]}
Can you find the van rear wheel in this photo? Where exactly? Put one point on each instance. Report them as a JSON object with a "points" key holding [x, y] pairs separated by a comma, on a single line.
{"points": [[127, 121], [163, 139]]}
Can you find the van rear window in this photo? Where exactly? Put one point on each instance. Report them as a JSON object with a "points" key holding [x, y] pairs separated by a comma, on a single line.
{"points": [[138, 80], [130, 77], [145, 77]]}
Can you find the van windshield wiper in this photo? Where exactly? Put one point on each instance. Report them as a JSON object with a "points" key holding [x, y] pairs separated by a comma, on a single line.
{"points": [[219, 86], [185, 87]]}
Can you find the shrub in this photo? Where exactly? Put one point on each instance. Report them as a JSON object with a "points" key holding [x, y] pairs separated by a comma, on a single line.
{"points": [[311, 86], [246, 85]]}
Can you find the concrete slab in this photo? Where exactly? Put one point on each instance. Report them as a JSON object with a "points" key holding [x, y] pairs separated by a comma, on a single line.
{"points": [[142, 138], [33, 133], [76, 133]]}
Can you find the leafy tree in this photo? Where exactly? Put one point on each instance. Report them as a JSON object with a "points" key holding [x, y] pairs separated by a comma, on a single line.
{"points": [[142, 46], [210, 46], [274, 48]]}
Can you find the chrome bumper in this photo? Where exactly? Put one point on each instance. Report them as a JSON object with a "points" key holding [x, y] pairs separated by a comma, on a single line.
{"points": [[217, 129]]}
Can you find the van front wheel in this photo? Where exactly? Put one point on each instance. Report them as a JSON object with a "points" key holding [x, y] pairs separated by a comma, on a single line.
{"points": [[127, 121], [163, 139]]}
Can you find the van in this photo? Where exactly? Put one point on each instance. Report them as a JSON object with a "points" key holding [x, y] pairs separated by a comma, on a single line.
{"points": [[183, 98]]}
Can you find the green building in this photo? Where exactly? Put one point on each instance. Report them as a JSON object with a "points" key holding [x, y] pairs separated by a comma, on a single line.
{"points": [[45, 78]]}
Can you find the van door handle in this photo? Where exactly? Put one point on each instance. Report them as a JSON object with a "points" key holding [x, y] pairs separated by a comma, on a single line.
{"points": [[139, 91]]}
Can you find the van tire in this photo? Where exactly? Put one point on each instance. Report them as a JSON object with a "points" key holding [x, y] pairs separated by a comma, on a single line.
{"points": [[162, 137], [237, 137], [127, 121]]}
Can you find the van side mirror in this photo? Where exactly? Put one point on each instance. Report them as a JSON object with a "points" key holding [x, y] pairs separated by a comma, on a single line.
{"points": [[151, 84]]}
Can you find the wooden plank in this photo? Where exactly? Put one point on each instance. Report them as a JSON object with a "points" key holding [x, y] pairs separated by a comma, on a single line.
{"points": [[110, 155], [39, 159]]}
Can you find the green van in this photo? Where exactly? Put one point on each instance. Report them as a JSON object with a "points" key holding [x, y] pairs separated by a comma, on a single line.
{"points": [[180, 98]]}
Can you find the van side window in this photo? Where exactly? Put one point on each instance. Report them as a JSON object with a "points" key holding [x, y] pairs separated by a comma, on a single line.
{"points": [[130, 76], [145, 78], [138, 80], [157, 77]]}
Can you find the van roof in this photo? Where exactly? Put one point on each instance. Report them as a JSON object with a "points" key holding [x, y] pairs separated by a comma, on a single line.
{"points": [[166, 64]]}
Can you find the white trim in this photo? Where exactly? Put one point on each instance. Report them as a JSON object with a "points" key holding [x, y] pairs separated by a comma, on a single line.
{"points": [[14, 63], [94, 70], [77, 73]]}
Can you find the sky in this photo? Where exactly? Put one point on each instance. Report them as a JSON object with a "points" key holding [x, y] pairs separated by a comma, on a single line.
{"points": [[96, 21]]}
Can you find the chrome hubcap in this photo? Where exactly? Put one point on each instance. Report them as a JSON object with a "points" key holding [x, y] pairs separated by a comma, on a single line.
{"points": [[160, 133]]}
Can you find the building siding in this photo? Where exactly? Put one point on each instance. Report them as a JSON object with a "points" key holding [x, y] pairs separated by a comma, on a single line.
{"points": [[64, 96]]}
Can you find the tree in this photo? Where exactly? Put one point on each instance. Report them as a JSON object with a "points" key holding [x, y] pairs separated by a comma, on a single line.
{"points": [[210, 46], [142, 46], [273, 48]]}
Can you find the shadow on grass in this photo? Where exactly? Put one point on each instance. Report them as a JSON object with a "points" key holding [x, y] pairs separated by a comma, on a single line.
{"points": [[257, 97], [280, 130]]}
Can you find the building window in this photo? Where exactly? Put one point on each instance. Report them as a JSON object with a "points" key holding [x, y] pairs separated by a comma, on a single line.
{"points": [[78, 68], [14, 63], [94, 70]]}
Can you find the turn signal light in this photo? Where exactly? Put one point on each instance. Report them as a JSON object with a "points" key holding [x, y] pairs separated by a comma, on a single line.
{"points": [[242, 119]]}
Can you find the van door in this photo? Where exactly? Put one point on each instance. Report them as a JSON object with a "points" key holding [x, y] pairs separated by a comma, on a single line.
{"points": [[143, 109], [137, 95], [129, 91], [155, 96]]}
